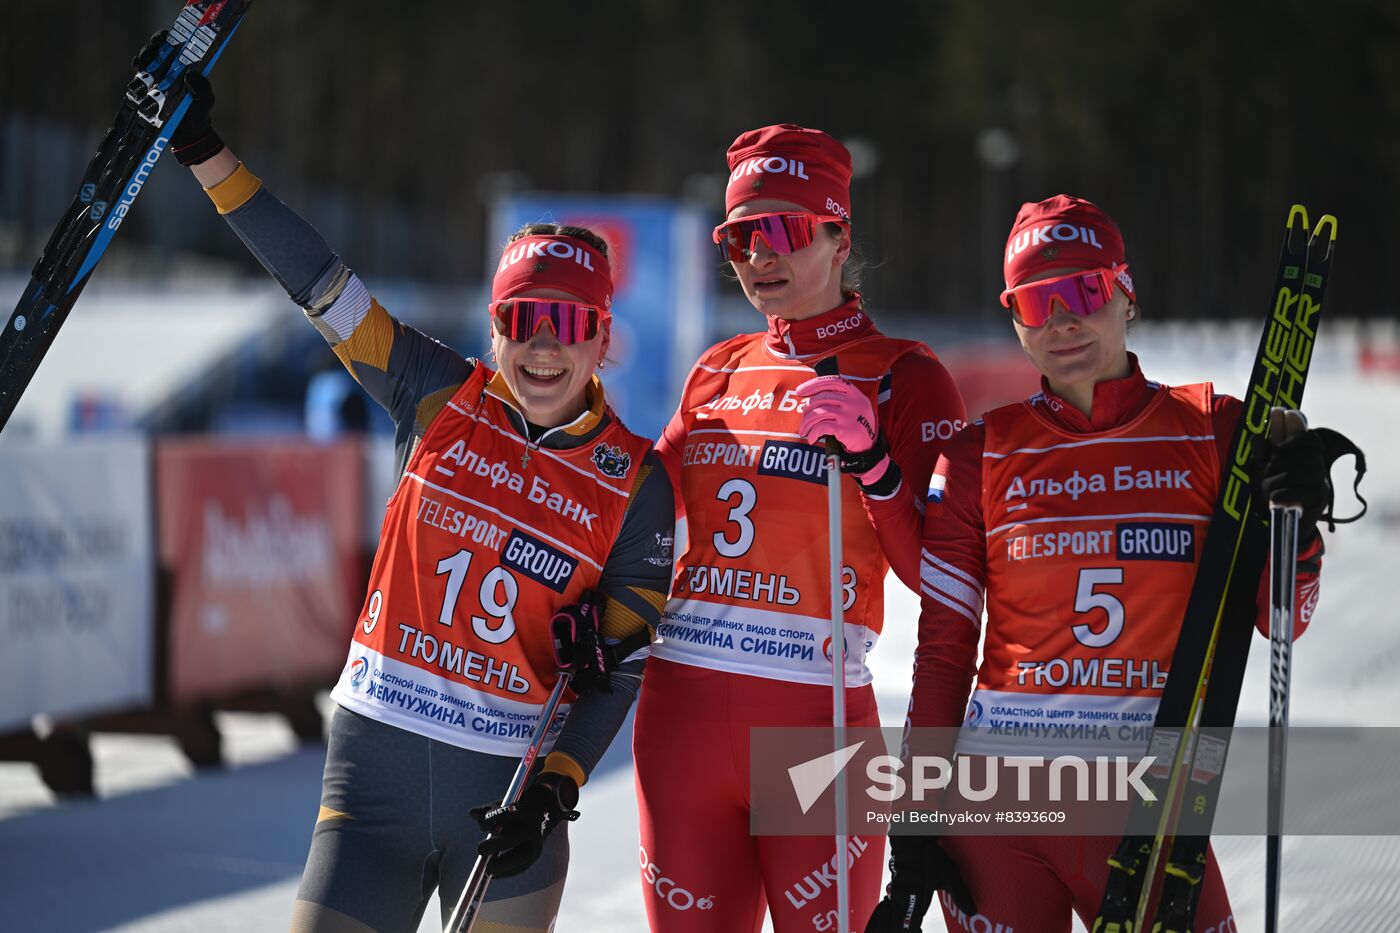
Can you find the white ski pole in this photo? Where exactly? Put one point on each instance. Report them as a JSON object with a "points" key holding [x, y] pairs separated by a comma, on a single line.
{"points": [[1284, 518], [838, 681], [1283, 555], [474, 894], [838, 660]]}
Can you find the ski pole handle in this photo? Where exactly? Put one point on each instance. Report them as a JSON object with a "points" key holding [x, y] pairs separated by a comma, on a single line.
{"points": [[1283, 424], [826, 366], [474, 894]]}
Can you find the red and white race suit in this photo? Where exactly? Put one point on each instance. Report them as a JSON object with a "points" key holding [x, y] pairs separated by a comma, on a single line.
{"points": [[1081, 535], [746, 636]]}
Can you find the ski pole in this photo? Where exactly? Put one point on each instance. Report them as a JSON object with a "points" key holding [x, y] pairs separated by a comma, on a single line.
{"points": [[1283, 553], [1284, 519], [827, 367], [474, 894]]}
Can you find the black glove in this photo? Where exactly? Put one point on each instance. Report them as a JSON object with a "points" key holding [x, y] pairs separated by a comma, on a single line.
{"points": [[516, 832], [1296, 473], [143, 58], [918, 868], [194, 140], [578, 645], [866, 460]]}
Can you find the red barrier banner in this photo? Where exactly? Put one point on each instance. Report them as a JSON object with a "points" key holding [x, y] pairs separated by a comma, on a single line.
{"points": [[990, 375], [262, 544]]}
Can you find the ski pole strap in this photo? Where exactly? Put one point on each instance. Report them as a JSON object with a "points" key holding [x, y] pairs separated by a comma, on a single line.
{"points": [[617, 652], [1336, 445], [867, 460]]}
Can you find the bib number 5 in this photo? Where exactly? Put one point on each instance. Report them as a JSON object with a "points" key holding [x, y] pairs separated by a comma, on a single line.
{"points": [[1087, 599]]}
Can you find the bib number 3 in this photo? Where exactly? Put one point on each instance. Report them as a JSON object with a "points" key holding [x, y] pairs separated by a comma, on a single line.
{"points": [[729, 545], [738, 515]]}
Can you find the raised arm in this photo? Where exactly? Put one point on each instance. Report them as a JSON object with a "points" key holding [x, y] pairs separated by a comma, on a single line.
{"points": [[411, 375]]}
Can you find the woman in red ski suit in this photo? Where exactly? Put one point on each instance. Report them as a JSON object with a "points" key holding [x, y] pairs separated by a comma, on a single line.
{"points": [[1084, 584], [745, 637]]}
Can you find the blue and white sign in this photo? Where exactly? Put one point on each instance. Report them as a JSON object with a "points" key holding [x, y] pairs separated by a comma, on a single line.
{"points": [[77, 579]]}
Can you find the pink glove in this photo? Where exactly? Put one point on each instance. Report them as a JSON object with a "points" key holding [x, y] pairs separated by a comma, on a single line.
{"points": [[835, 408]]}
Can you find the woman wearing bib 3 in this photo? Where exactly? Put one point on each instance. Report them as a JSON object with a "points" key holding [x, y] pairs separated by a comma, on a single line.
{"points": [[746, 637]]}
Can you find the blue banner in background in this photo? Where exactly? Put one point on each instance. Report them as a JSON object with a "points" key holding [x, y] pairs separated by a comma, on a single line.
{"points": [[663, 291]]}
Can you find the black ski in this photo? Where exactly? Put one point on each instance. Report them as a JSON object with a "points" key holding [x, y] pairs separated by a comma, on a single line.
{"points": [[1214, 638], [152, 107], [1186, 865]]}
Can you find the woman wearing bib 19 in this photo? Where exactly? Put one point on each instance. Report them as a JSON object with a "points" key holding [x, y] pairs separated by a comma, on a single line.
{"points": [[521, 493], [745, 639], [1091, 578]]}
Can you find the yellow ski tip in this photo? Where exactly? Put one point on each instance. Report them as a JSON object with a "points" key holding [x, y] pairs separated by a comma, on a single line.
{"points": [[1104, 926], [1294, 211], [1328, 222]]}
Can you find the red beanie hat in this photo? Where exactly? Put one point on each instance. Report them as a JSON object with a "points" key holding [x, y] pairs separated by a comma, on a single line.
{"points": [[550, 261], [790, 163], [1062, 232]]}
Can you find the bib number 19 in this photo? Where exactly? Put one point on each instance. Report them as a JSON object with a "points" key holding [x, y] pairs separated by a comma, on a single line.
{"points": [[496, 583], [497, 596]]}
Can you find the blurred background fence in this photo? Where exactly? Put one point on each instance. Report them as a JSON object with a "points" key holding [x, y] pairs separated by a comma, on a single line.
{"points": [[394, 126]]}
